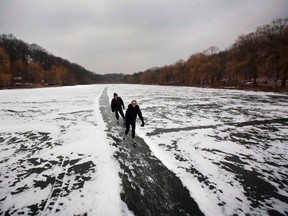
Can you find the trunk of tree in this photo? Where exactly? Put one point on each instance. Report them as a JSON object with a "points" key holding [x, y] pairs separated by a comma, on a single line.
{"points": [[283, 82]]}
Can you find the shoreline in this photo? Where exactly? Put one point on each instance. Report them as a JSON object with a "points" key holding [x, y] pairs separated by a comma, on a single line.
{"points": [[272, 89]]}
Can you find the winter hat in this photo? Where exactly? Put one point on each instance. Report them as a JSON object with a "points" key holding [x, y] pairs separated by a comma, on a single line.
{"points": [[115, 94]]}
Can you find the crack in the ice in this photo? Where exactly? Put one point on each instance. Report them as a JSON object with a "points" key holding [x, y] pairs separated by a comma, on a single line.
{"points": [[236, 124]]}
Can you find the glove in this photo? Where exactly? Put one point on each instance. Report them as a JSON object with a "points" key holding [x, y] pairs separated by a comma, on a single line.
{"points": [[142, 125]]}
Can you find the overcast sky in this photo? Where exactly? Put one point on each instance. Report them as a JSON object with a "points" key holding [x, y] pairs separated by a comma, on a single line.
{"points": [[127, 36]]}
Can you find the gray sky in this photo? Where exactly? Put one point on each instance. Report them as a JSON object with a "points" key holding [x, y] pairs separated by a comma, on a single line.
{"points": [[127, 36]]}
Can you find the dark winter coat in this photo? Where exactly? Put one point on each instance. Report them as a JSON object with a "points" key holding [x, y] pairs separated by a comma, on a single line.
{"points": [[132, 112], [117, 105]]}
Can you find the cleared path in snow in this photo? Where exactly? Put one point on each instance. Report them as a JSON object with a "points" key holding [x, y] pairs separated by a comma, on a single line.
{"points": [[149, 188]]}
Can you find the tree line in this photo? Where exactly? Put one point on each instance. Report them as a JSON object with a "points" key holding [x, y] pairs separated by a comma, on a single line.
{"points": [[23, 64], [259, 58]]}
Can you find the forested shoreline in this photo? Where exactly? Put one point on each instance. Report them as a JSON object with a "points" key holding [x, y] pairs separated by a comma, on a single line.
{"points": [[259, 59], [255, 60]]}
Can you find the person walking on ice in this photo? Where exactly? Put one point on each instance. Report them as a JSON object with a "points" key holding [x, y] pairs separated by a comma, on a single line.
{"points": [[116, 106], [130, 117]]}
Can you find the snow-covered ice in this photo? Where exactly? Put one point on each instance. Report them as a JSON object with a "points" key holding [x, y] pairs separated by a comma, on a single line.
{"points": [[229, 148], [55, 154]]}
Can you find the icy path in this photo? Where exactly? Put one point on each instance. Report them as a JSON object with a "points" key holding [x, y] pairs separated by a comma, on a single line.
{"points": [[149, 188]]}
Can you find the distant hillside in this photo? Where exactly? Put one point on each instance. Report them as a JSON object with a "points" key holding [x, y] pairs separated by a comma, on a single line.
{"points": [[23, 64], [256, 59]]}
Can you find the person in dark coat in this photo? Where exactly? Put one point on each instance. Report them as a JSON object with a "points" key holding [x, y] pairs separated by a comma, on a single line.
{"points": [[130, 117], [116, 106]]}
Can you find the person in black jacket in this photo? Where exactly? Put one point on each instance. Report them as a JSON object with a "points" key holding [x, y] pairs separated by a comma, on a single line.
{"points": [[116, 106], [130, 117]]}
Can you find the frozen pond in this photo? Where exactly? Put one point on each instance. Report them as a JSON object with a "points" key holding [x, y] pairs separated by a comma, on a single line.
{"points": [[61, 155]]}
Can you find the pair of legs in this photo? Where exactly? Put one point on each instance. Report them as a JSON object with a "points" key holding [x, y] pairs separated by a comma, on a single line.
{"points": [[117, 115], [133, 124]]}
